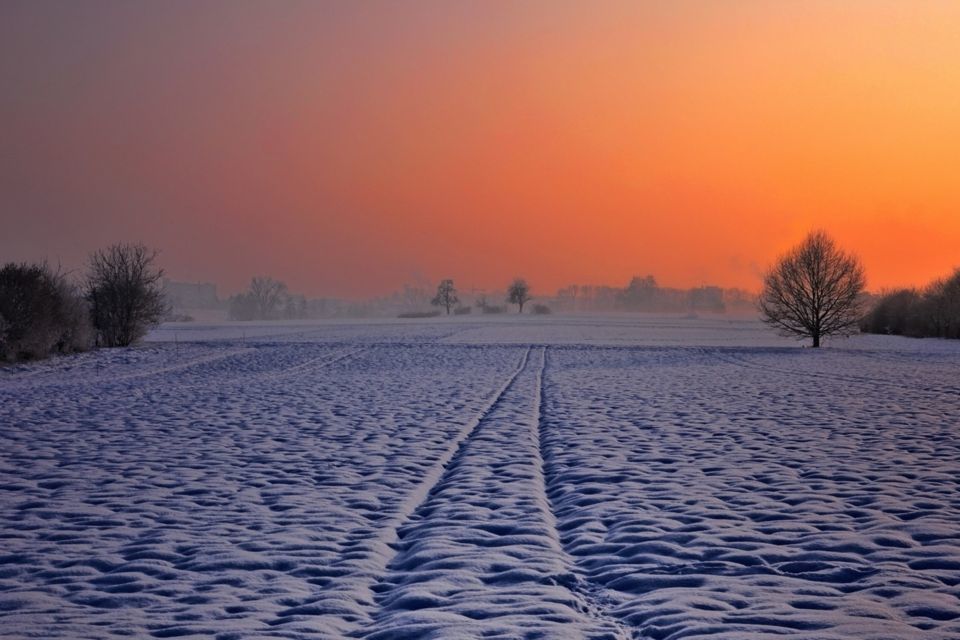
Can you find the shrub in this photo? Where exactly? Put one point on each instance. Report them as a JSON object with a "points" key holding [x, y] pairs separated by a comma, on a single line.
{"points": [[541, 310], [462, 311], [78, 333], [40, 314], [419, 314]]}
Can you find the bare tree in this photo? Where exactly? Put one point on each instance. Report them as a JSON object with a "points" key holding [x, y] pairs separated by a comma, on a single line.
{"points": [[267, 299], [125, 293], [518, 293], [268, 296], [446, 296], [814, 290]]}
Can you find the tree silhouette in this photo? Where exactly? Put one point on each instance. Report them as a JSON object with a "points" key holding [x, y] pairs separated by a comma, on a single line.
{"points": [[814, 290], [518, 293], [446, 296], [124, 292], [268, 296]]}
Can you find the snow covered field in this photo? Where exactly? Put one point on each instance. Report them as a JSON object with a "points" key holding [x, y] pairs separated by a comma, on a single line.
{"points": [[561, 477]]}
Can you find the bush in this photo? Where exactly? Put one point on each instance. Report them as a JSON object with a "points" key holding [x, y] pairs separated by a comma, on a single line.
{"points": [[125, 294], [40, 314], [419, 314], [541, 310], [78, 332], [462, 311]]}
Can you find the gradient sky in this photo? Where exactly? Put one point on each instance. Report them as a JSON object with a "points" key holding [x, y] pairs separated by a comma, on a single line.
{"points": [[350, 147]]}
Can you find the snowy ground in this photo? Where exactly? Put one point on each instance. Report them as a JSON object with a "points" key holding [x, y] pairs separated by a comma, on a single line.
{"points": [[562, 477]]}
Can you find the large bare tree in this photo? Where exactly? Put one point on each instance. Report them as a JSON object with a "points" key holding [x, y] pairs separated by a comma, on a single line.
{"points": [[814, 290]]}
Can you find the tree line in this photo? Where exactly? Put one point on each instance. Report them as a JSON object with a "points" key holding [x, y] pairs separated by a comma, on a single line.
{"points": [[932, 311], [813, 291], [43, 311]]}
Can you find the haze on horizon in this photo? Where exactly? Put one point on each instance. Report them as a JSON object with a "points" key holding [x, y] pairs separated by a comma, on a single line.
{"points": [[348, 148]]}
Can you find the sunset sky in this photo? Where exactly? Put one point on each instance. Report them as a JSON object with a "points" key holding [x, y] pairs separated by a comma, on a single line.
{"points": [[351, 147]]}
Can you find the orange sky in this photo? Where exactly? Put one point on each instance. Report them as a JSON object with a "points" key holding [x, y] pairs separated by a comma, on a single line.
{"points": [[348, 148]]}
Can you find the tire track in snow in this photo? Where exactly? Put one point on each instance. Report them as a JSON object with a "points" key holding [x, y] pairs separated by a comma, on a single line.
{"points": [[596, 601], [350, 605], [480, 556]]}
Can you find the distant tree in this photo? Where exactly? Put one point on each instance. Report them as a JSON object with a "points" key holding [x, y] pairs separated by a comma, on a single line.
{"points": [[269, 297], [641, 293], [814, 290], [125, 293], [518, 293], [446, 296]]}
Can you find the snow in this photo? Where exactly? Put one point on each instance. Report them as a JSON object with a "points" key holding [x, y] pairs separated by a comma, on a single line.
{"points": [[487, 477]]}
